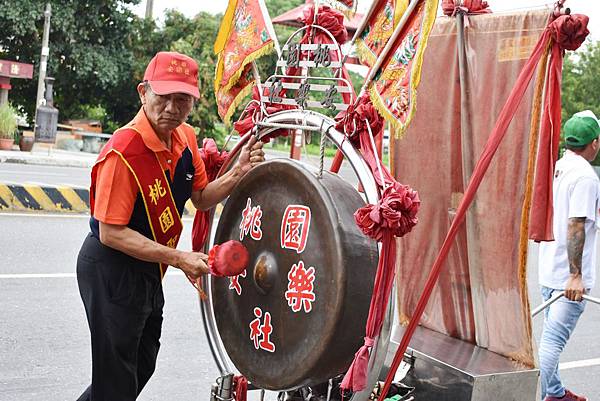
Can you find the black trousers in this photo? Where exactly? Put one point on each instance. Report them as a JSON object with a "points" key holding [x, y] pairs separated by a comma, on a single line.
{"points": [[123, 301]]}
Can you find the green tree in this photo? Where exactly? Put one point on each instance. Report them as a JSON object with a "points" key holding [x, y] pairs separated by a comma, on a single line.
{"points": [[581, 81], [89, 53]]}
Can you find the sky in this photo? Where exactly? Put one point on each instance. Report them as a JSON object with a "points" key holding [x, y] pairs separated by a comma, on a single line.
{"points": [[190, 8]]}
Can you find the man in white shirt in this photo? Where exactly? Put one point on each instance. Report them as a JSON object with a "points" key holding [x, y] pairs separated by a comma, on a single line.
{"points": [[568, 263]]}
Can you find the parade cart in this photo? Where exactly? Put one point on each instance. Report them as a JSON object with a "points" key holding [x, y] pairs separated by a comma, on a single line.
{"points": [[340, 299]]}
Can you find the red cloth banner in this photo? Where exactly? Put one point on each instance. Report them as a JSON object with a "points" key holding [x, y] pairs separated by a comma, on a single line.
{"points": [[213, 160], [394, 91], [393, 216], [568, 31]]}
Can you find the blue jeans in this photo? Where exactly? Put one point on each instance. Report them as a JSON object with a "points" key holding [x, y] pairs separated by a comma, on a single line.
{"points": [[560, 320]]}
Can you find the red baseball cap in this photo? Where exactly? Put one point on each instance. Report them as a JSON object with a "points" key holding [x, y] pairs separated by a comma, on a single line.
{"points": [[172, 72]]}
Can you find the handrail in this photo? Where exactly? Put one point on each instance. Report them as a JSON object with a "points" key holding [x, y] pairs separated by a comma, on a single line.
{"points": [[555, 297]]}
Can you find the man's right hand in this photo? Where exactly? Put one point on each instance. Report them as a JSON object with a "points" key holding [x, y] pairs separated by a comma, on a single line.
{"points": [[574, 290], [193, 264]]}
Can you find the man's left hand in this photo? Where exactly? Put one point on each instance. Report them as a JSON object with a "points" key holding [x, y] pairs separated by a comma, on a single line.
{"points": [[251, 155], [574, 289]]}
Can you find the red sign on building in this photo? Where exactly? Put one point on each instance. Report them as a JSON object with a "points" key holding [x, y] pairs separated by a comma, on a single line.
{"points": [[13, 69]]}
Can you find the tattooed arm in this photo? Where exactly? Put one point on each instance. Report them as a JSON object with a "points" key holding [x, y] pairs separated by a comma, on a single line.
{"points": [[575, 240]]}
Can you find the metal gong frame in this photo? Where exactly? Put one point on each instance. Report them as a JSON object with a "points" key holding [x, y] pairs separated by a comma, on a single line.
{"points": [[310, 121]]}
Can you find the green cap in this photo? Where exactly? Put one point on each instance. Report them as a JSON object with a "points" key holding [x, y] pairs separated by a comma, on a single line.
{"points": [[581, 129]]}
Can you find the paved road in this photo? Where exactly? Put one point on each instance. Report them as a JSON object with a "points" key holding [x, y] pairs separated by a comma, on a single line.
{"points": [[13, 173], [44, 340]]}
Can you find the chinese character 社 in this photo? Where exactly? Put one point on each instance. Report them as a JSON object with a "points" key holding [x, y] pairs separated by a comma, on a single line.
{"points": [[257, 330]]}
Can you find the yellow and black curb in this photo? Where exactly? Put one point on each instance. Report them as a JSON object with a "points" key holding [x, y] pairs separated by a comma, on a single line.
{"points": [[26, 197]]}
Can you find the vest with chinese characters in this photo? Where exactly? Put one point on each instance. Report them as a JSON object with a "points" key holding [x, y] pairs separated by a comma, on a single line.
{"points": [[160, 201]]}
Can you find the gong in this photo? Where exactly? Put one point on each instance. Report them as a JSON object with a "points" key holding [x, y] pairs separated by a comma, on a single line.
{"points": [[297, 315]]}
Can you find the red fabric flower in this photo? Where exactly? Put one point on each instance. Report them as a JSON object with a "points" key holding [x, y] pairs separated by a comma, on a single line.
{"points": [[396, 211], [352, 121], [212, 158], [328, 18], [569, 31]]}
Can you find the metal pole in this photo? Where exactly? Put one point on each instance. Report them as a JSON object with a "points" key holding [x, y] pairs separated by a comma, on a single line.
{"points": [[44, 56], [149, 9], [468, 163], [3, 96], [556, 296]]}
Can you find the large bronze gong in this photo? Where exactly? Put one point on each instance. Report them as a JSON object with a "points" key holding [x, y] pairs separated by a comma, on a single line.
{"points": [[298, 316]]}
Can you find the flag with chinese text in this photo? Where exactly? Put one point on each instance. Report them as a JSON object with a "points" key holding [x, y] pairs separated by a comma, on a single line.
{"points": [[394, 90], [245, 35], [383, 18]]}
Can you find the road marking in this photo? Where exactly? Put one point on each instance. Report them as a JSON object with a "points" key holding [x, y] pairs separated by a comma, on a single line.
{"points": [[64, 275], [579, 364], [65, 215]]}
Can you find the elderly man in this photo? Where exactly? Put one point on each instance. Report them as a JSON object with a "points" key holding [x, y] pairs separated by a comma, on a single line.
{"points": [[140, 184], [568, 263]]}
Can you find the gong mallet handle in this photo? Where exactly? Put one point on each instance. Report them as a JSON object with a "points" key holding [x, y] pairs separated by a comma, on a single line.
{"points": [[556, 297]]}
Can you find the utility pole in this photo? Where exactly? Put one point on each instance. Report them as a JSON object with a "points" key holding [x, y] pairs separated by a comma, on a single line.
{"points": [[44, 56], [149, 8]]}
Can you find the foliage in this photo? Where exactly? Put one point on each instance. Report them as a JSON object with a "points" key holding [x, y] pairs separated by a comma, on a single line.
{"points": [[89, 53], [97, 113], [581, 83], [8, 121]]}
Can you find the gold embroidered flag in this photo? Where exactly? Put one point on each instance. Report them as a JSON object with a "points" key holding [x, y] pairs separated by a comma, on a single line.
{"points": [[394, 90], [383, 18], [245, 35], [348, 7], [228, 100]]}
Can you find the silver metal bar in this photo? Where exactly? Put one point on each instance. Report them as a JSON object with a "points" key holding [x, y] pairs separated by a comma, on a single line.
{"points": [[364, 22], [309, 103], [85, 133], [555, 297], [546, 304], [591, 299], [313, 87], [289, 126], [309, 64], [312, 46]]}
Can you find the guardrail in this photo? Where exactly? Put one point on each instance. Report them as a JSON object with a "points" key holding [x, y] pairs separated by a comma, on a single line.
{"points": [[81, 131]]}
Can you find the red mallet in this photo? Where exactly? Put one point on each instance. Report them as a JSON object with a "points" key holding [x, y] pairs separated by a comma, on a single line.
{"points": [[228, 259]]}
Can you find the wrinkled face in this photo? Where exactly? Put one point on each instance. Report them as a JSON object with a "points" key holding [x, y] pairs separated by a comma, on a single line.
{"points": [[165, 112]]}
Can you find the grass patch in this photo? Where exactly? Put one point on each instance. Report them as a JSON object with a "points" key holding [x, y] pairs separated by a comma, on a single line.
{"points": [[313, 150]]}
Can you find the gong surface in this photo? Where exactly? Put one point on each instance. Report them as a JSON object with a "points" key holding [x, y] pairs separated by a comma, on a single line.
{"points": [[298, 314]]}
